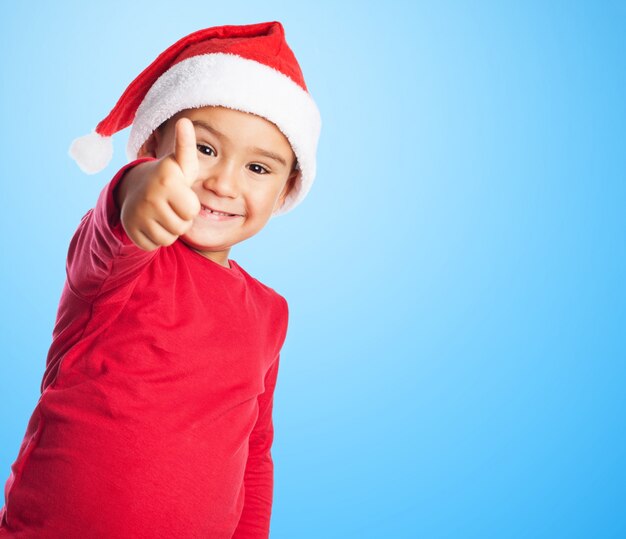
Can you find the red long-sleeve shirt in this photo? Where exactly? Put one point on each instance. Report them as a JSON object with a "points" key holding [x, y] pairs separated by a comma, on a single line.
{"points": [[155, 418]]}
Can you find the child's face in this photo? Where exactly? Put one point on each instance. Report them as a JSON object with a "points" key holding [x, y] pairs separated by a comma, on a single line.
{"points": [[245, 169]]}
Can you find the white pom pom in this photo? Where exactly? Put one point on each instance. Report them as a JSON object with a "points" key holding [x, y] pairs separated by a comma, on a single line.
{"points": [[92, 152]]}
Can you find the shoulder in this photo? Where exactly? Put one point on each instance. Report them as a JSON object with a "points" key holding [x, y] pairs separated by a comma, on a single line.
{"points": [[272, 305], [264, 290]]}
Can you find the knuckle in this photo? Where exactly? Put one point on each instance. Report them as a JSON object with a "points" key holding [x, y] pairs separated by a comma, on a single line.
{"points": [[152, 199], [193, 204], [169, 238], [166, 181], [161, 236], [186, 214], [152, 232], [145, 244], [189, 211]]}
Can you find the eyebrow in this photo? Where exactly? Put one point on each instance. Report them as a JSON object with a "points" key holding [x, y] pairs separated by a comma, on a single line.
{"points": [[261, 151]]}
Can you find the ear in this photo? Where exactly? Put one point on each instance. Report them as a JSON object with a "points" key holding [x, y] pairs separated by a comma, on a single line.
{"points": [[149, 147], [289, 186]]}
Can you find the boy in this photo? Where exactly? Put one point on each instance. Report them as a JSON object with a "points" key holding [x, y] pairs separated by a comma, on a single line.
{"points": [[155, 418]]}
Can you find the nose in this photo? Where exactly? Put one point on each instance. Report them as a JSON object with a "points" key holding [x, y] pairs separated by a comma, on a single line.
{"points": [[221, 178]]}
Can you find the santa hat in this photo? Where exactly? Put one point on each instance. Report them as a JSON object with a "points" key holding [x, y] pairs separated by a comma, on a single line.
{"points": [[249, 68]]}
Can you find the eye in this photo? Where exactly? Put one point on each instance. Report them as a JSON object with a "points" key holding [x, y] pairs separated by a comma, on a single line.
{"points": [[205, 150], [258, 169]]}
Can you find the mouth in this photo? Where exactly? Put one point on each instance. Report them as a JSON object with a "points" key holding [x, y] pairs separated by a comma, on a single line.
{"points": [[206, 210]]}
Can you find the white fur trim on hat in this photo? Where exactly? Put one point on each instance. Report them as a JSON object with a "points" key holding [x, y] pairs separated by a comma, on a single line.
{"points": [[234, 82], [91, 152]]}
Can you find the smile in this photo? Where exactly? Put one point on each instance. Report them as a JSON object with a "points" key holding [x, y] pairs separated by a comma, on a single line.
{"points": [[210, 213]]}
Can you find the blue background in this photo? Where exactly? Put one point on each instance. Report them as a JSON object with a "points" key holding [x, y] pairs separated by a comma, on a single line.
{"points": [[456, 361]]}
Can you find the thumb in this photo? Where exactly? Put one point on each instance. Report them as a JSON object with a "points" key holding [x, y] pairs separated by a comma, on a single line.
{"points": [[185, 151]]}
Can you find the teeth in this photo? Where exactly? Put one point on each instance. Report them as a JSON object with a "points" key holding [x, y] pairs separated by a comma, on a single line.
{"points": [[217, 212]]}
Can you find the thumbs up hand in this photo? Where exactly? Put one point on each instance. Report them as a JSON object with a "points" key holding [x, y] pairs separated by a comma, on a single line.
{"points": [[185, 150], [156, 200]]}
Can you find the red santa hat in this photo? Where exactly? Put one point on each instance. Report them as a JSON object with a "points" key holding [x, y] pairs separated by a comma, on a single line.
{"points": [[249, 68]]}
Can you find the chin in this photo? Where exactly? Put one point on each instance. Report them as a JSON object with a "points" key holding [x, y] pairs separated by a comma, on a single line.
{"points": [[200, 245]]}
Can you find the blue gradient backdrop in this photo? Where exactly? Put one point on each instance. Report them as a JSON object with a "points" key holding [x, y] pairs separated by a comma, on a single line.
{"points": [[456, 361]]}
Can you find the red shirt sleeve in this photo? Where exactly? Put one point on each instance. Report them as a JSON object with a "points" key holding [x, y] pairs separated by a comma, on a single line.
{"points": [[101, 257], [259, 475]]}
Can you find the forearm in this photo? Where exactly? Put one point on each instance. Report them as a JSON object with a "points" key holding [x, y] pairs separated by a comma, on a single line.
{"points": [[259, 474], [259, 491], [101, 256]]}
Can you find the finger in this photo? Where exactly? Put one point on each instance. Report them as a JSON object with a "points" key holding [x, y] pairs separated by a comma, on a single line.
{"points": [[159, 235], [172, 223], [185, 203], [185, 150], [145, 242]]}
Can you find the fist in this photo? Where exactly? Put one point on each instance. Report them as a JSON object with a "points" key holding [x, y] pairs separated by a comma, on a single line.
{"points": [[156, 199]]}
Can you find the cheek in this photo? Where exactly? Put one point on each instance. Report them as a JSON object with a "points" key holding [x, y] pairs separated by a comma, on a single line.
{"points": [[264, 205]]}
